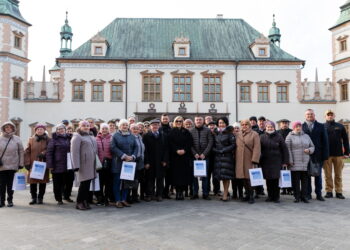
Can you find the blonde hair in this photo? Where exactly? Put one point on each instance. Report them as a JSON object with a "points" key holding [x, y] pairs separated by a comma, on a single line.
{"points": [[177, 118], [246, 121]]}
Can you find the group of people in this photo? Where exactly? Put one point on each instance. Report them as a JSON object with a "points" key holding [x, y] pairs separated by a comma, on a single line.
{"points": [[164, 153]]}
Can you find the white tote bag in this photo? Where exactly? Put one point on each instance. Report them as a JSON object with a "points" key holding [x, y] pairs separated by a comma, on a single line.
{"points": [[69, 162], [38, 170], [19, 181], [95, 183], [128, 171], [285, 179], [76, 183], [256, 177], [200, 168]]}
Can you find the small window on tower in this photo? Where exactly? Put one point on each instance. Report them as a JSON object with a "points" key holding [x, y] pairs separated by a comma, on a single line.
{"points": [[98, 50], [18, 42], [343, 46]]}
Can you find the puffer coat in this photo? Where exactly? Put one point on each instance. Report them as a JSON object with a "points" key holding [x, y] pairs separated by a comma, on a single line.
{"points": [[296, 144], [224, 149]]}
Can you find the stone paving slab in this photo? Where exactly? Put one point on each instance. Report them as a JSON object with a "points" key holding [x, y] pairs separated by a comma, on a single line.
{"points": [[174, 224]]}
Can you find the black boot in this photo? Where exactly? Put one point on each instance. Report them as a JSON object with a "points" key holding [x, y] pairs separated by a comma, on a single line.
{"points": [[2, 203], [40, 201], [9, 203], [33, 202], [251, 197]]}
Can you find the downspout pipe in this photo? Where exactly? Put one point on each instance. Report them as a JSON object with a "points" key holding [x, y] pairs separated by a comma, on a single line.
{"points": [[236, 84], [126, 89]]}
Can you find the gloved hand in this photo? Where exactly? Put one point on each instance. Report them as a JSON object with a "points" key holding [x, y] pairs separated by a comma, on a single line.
{"points": [[27, 167], [20, 167], [41, 157]]}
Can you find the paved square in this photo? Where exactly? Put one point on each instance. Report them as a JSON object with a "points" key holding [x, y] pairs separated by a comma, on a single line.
{"points": [[178, 225]]}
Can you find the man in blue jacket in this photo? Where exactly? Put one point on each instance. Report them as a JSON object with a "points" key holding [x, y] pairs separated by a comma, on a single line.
{"points": [[319, 137]]}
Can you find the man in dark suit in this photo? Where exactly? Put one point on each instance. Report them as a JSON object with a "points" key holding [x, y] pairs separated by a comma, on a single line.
{"points": [[156, 159], [165, 130], [319, 137]]}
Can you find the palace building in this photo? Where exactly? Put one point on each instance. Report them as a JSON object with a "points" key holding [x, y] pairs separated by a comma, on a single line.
{"points": [[149, 66]]}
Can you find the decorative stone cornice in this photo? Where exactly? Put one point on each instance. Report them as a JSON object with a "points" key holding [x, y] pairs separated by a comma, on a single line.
{"points": [[207, 73], [283, 82], [94, 81], [176, 72], [146, 72], [263, 82], [78, 81], [247, 82]]}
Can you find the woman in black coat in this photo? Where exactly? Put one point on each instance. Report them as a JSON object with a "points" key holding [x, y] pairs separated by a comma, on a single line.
{"points": [[180, 143], [274, 156], [56, 160], [224, 146]]}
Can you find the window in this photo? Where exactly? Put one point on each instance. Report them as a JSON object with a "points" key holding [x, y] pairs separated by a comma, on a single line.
{"points": [[182, 88], [16, 90], [343, 46], [18, 42], [97, 93], [116, 92], [245, 93], [263, 93], [78, 90], [182, 51], [152, 88], [262, 52], [282, 93], [344, 92], [98, 50], [212, 88]]}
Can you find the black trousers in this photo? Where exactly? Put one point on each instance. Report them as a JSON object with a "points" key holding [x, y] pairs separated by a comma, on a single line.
{"points": [[154, 185], [273, 189], [237, 188], [34, 190], [6, 180], [60, 180], [68, 184], [167, 179], [106, 185], [299, 177], [83, 192]]}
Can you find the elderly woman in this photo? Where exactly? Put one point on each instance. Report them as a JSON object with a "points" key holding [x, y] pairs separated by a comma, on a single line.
{"points": [[11, 159], [274, 156], [56, 160], [300, 147], [137, 130], [224, 147], [247, 156], [188, 124], [124, 148], [237, 184], [84, 151], [103, 139], [180, 143], [36, 151]]}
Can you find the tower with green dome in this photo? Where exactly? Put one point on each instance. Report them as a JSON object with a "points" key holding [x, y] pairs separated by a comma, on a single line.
{"points": [[274, 33], [66, 38]]}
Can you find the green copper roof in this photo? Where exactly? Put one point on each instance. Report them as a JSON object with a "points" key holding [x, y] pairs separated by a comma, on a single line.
{"points": [[66, 30], [152, 38], [274, 33], [10, 8], [344, 14]]}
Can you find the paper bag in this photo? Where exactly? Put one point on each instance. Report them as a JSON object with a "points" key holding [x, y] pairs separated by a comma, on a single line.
{"points": [[256, 177], [128, 171], [38, 170], [19, 181], [200, 168]]}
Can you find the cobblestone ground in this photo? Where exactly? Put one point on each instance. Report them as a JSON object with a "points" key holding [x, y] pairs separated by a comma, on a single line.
{"points": [[174, 224]]}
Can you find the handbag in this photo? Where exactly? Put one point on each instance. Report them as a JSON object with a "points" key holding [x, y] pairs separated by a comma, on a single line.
{"points": [[99, 165], [313, 168], [1, 163]]}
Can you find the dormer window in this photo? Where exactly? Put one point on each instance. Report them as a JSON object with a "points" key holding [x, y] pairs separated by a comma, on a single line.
{"points": [[99, 45], [98, 50], [181, 47], [343, 46], [261, 47], [18, 39]]}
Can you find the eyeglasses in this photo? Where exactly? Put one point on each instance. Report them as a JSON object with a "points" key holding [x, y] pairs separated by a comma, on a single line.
{"points": [[178, 121], [245, 124]]}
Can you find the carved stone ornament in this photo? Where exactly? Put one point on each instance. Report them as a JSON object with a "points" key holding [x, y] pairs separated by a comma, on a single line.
{"points": [[182, 108], [212, 108], [152, 108]]}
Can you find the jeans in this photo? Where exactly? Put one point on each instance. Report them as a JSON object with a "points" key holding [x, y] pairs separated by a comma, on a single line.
{"points": [[205, 183], [119, 192], [6, 180], [318, 183]]}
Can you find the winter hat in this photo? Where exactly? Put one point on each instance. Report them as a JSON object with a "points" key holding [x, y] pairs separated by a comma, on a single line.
{"points": [[295, 124], [40, 126], [60, 125], [271, 123], [103, 125], [236, 125]]}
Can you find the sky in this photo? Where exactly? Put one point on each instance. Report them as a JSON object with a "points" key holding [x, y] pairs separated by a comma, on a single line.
{"points": [[304, 24]]}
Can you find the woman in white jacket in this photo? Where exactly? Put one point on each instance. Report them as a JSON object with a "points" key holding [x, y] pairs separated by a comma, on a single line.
{"points": [[300, 148]]}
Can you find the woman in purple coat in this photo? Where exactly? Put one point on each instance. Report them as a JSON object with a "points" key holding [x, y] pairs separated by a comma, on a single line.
{"points": [[56, 159]]}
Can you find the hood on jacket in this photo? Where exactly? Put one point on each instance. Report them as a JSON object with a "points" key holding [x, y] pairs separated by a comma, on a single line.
{"points": [[55, 135], [8, 123]]}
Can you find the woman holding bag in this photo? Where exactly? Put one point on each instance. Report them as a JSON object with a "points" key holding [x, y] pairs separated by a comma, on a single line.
{"points": [[124, 148], [300, 147], [274, 156], [56, 160], [83, 152], [247, 156], [36, 151], [11, 159]]}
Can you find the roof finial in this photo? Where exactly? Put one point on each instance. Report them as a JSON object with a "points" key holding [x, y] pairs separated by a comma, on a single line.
{"points": [[274, 22], [66, 17]]}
